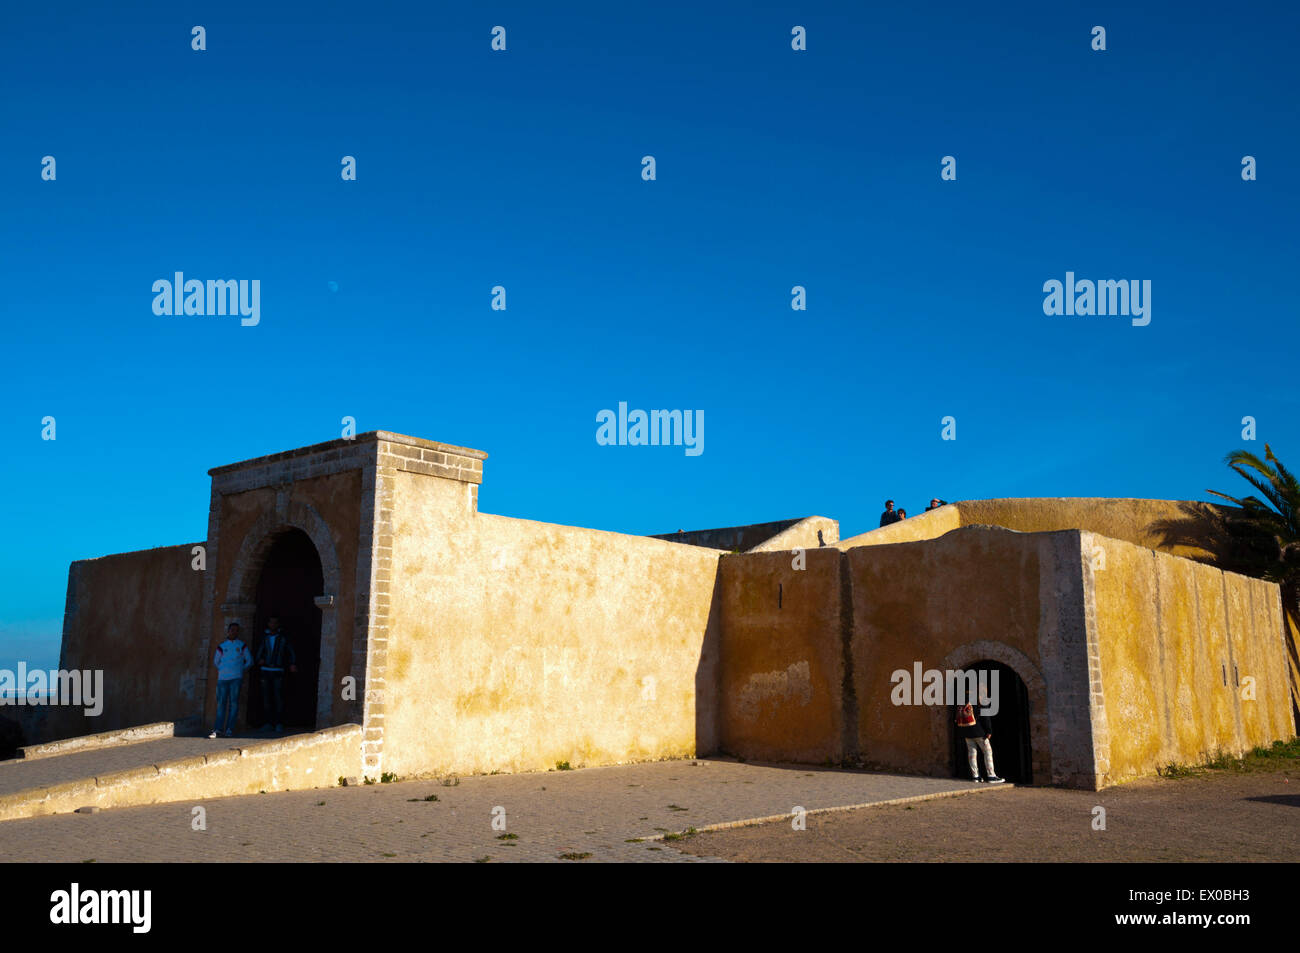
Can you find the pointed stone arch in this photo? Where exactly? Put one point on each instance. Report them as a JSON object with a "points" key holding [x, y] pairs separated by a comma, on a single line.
{"points": [[241, 591]]}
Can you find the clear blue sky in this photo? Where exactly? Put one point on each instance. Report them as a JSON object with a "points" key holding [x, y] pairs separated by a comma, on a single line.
{"points": [[522, 168]]}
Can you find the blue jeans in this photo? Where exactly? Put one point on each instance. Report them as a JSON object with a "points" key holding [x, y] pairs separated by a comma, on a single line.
{"points": [[273, 697], [227, 704]]}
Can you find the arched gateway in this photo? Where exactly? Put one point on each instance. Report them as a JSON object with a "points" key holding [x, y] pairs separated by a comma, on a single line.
{"points": [[1020, 739], [286, 566]]}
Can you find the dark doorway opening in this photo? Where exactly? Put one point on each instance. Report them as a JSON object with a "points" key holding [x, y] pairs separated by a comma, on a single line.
{"points": [[291, 580], [1012, 753]]}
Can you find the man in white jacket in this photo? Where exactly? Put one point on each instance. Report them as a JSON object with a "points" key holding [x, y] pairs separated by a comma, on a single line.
{"points": [[232, 659]]}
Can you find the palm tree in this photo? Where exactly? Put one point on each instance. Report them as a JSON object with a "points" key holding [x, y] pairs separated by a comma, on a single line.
{"points": [[1263, 539], [1267, 531]]}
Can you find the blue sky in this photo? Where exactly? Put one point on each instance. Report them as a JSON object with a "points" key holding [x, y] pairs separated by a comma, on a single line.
{"points": [[523, 169]]}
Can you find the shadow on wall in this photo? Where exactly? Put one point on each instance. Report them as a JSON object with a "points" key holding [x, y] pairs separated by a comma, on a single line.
{"points": [[1236, 546], [1210, 528], [708, 677]]}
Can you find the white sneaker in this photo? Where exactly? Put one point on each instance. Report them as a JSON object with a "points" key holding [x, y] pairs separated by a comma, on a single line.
{"points": [[212, 733]]}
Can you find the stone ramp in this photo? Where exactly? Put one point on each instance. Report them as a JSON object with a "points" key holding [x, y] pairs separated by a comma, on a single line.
{"points": [[175, 769], [21, 774]]}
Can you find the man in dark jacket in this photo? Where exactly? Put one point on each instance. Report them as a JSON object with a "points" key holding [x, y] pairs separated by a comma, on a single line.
{"points": [[274, 655], [889, 516], [977, 730]]}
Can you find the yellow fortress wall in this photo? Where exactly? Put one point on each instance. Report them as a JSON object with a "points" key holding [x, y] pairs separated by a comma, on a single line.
{"points": [[514, 645], [1178, 641], [782, 660], [1123, 665], [980, 593], [136, 617], [465, 642]]}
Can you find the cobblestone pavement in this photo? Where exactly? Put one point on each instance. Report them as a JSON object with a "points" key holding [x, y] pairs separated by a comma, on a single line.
{"points": [[17, 774], [1214, 818], [593, 814]]}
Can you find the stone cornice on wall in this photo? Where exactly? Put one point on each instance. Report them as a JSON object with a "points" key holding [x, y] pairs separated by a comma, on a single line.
{"points": [[343, 444], [361, 452]]}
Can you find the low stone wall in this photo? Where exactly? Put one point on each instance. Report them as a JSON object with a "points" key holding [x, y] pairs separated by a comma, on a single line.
{"points": [[315, 760], [103, 739]]}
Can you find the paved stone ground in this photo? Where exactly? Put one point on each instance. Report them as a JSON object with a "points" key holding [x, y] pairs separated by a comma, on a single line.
{"points": [[17, 774], [1215, 817], [595, 811]]}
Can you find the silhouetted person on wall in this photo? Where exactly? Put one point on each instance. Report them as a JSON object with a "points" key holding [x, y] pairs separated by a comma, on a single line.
{"points": [[889, 516], [935, 504], [274, 655], [977, 731]]}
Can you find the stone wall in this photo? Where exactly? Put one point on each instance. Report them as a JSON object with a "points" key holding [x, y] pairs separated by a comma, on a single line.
{"points": [[513, 645], [1178, 640], [976, 593], [137, 617], [809, 654], [782, 671]]}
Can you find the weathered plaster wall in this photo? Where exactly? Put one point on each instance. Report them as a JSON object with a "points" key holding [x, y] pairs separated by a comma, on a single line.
{"points": [[976, 593], [808, 655], [514, 645], [782, 671], [1177, 639], [136, 616], [1293, 663]]}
